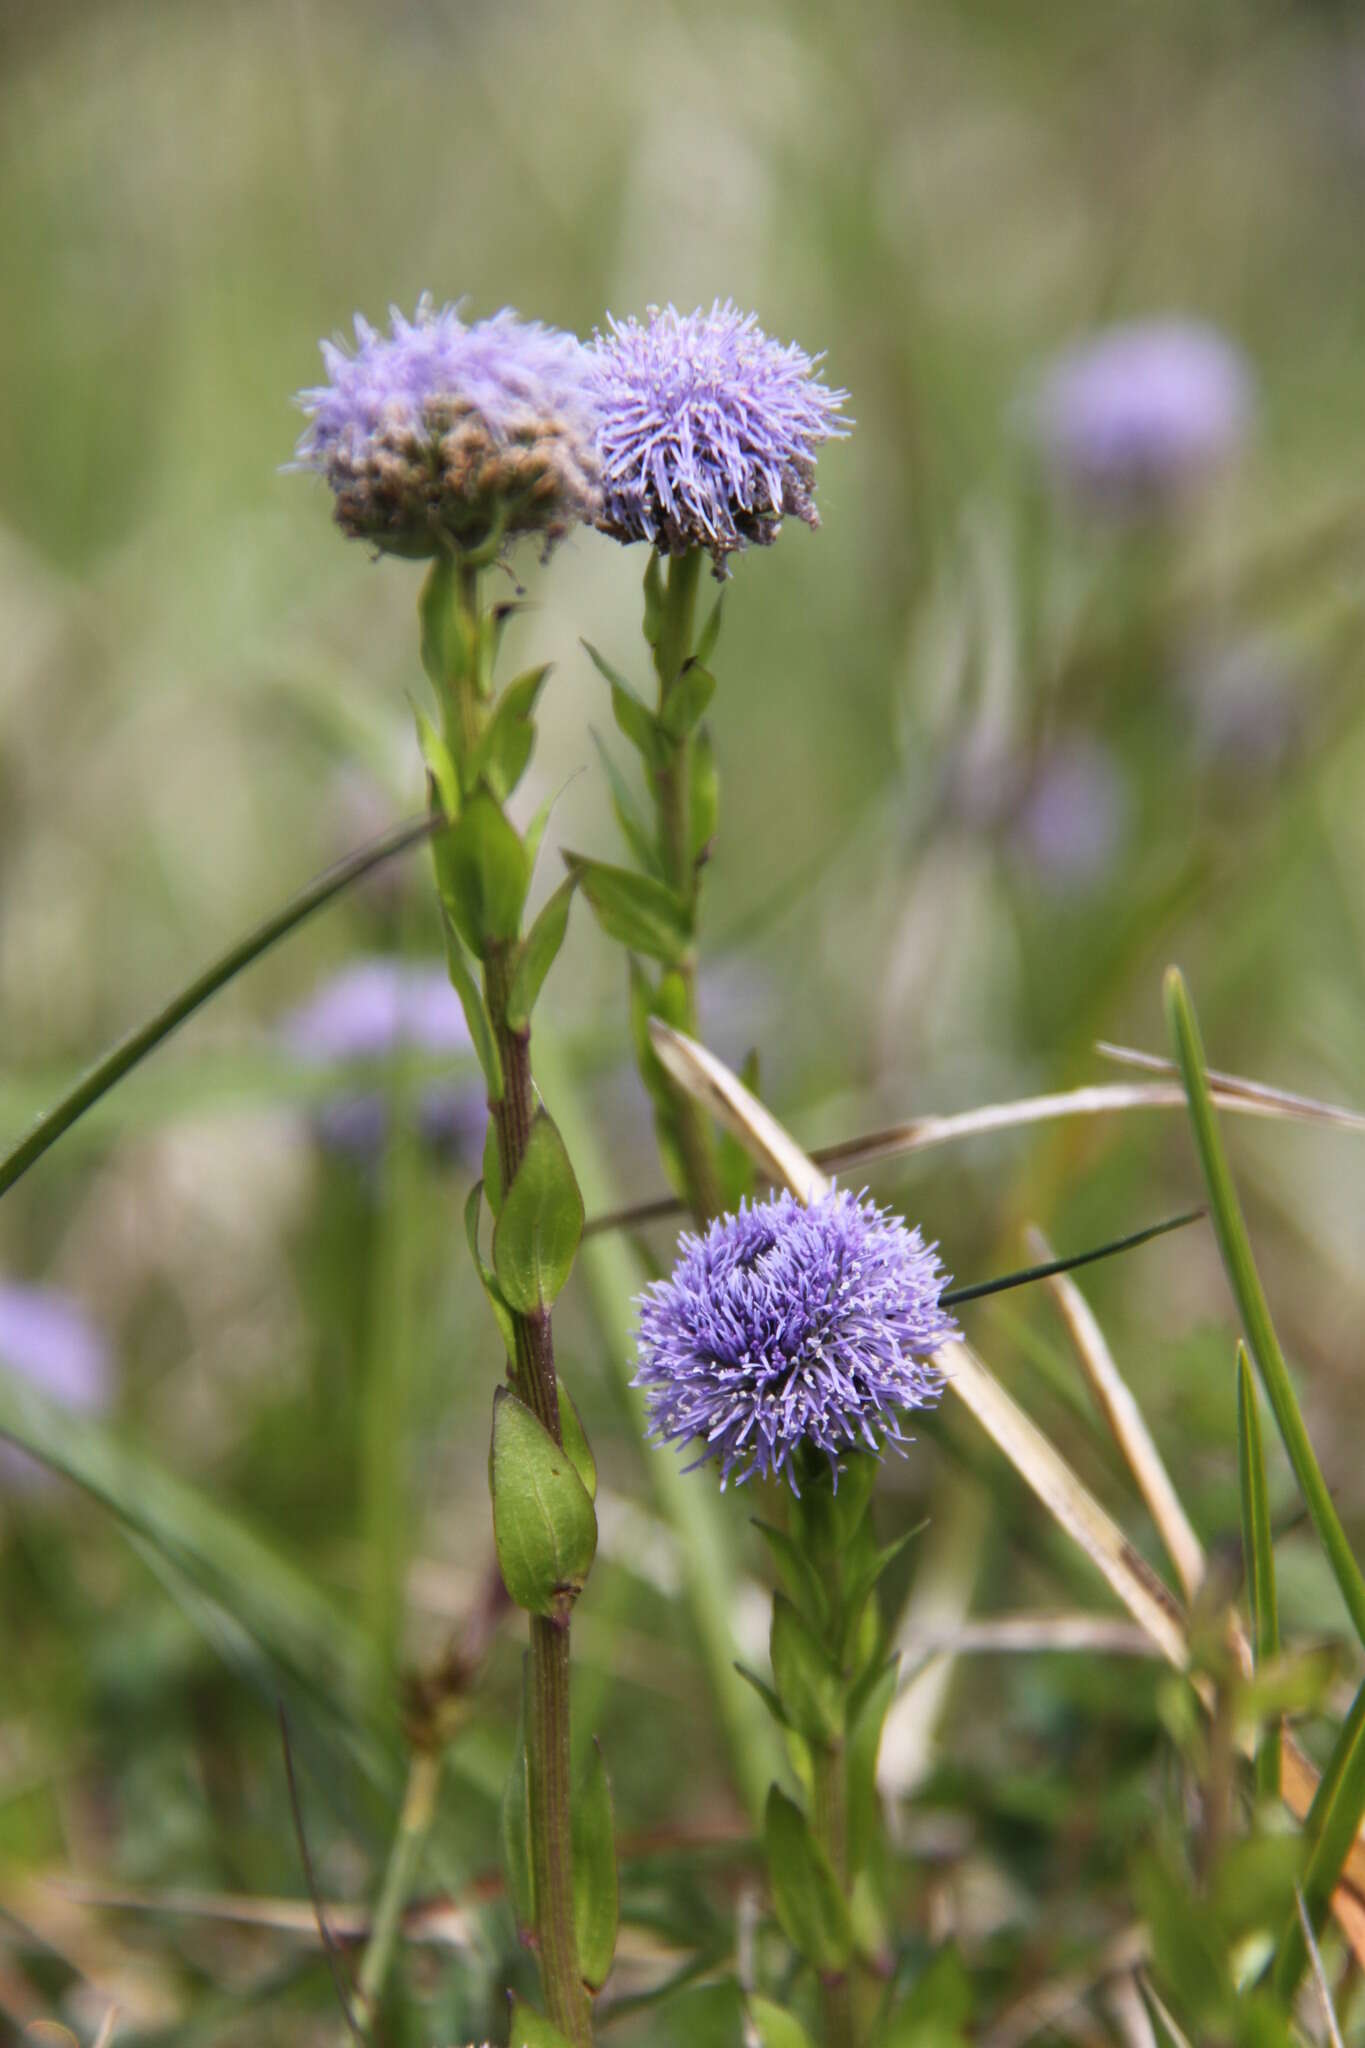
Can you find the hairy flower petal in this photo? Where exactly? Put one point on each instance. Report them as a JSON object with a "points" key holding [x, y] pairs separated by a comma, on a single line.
{"points": [[707, 430], [784, 1326]]}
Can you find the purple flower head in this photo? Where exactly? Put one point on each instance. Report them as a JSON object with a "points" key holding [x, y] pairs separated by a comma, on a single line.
{"points": [[785, 1326], [47, 1339], [374, 1010], [707, 430], [1139, 414], [1073, 816], [440, 432]]}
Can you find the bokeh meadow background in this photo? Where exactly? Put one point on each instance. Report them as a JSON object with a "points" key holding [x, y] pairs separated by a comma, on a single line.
{"points": [[990, 759]]}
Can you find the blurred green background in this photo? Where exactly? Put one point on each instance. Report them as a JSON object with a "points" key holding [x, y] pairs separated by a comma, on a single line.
{"points": [[204, 698]]}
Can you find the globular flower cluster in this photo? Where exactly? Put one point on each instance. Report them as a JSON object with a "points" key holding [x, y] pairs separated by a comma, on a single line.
{"points": [[376, 1010], [1140, 413], [707, 430], [785, 1326], [438, 432]]}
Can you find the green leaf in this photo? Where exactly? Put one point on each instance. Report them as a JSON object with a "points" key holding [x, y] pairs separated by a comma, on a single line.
{"points": [[864, 1742], [484, 876], [765, 1693], [808, 1682], [529, 2030], [1264, 1345], [439, 765], [596, 1903], [937, 2008], [798, 1575], [475, 1015], [515, 1823], [1258, 1550], [1331, 1828], [492, 1167], [445, 643], [132, 1049], [635, 910], [703, 796], [710, 632], [540, 1223], [630, 711], [576, 1442], [806, 1895], [633, 828], [544, 1527], [862, 1583], [774, 2027], [500, 757], [687, 700], [536, 954], [502, 1314], [654, 600]]}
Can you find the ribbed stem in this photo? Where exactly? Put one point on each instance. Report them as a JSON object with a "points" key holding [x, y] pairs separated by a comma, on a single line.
{"points": [[548, 1729], [673, 790], [829, 1824]]}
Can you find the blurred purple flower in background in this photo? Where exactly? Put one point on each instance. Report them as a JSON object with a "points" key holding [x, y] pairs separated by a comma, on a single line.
{"points": [[47, 1339], [438, 428], [785, 1326], [374, 1010], [1138, 415], [1073, 816], [707, 430]]}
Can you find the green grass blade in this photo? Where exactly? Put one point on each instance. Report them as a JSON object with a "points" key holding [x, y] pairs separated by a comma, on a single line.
{"points": [[1332, 1825], [981, 1288], [300, 1630], [1264, 1346], [1258, 1551], [130, 1050]]}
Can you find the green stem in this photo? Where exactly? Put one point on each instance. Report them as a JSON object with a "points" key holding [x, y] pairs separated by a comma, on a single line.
{"points": [[673, 793], [829, 1824], [414, 1825], [548, 1729]]}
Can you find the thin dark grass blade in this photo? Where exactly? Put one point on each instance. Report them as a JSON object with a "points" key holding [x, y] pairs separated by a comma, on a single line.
{"points": [[1240, 1265], [1258, 1550], [340, 1983], [132, 1049], [1051, 1267], [1332, 1825]]}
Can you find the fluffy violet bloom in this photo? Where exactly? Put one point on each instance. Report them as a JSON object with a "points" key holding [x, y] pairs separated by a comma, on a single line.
{"points": [[438, 431], [785, 1326], [707, 430], [374, 1010], [47, 1339], [1139, 414], [1074, 816]]}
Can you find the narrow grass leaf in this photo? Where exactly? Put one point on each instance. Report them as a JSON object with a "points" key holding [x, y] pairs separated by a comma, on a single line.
{"points": [[1259, 1555], [1332, 1826], [1250, 1297]]}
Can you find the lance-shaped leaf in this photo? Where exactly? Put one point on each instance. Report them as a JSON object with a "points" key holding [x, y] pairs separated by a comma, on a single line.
{"points": [[576, 1441], [808, 1683], [703, 795], [806, 1894], [540, 1222], [596, 1904], [483, 874], [635, 910], [1245, 1281], [502, 1315], [866, 1719], [1258, 1551], [475, 1014], [799, 1575], [500, 756], [630, 711], [774, 2027], [710, 632], [537, 953], [634, 830], [544, 1527], [440, 766], [530, 2030], [687, 700]]}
